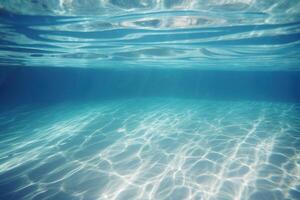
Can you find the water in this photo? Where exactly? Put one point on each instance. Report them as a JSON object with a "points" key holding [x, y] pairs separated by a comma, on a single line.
{"points": [[210, 34], [149, 99]]}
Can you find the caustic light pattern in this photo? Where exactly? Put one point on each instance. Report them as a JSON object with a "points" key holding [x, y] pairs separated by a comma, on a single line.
{"points": [[164, 149]]}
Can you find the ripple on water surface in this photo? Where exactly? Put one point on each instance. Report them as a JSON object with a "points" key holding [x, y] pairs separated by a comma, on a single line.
{"points": [[210, 34]]}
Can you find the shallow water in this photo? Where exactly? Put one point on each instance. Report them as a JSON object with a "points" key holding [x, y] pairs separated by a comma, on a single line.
{"points": [[150, 99], [152, 149]]}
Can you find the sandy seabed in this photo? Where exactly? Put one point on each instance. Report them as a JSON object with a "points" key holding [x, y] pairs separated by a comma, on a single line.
{"points": [[152, 148]]}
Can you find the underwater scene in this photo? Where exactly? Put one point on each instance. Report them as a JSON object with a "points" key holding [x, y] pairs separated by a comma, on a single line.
{"points": [[150, 99]]}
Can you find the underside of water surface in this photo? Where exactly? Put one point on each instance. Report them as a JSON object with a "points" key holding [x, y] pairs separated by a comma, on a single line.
{"points": [[149, 100], [198, 34]]}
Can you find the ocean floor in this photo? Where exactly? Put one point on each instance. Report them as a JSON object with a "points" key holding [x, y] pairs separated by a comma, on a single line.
{"points": [[151, 148]]}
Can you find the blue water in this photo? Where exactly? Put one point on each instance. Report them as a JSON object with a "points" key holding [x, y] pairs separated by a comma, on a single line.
{"points": [[150, 100]]}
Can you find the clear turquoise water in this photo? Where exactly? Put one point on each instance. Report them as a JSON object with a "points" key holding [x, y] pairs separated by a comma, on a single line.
{"points": [[198, 34], [149, 99]]}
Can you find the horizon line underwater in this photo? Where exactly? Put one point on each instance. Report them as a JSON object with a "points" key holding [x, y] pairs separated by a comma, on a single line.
{"points": [[149, 100]]}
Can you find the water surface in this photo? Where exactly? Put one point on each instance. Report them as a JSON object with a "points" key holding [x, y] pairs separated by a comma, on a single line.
{"points": [[211, 34]]}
